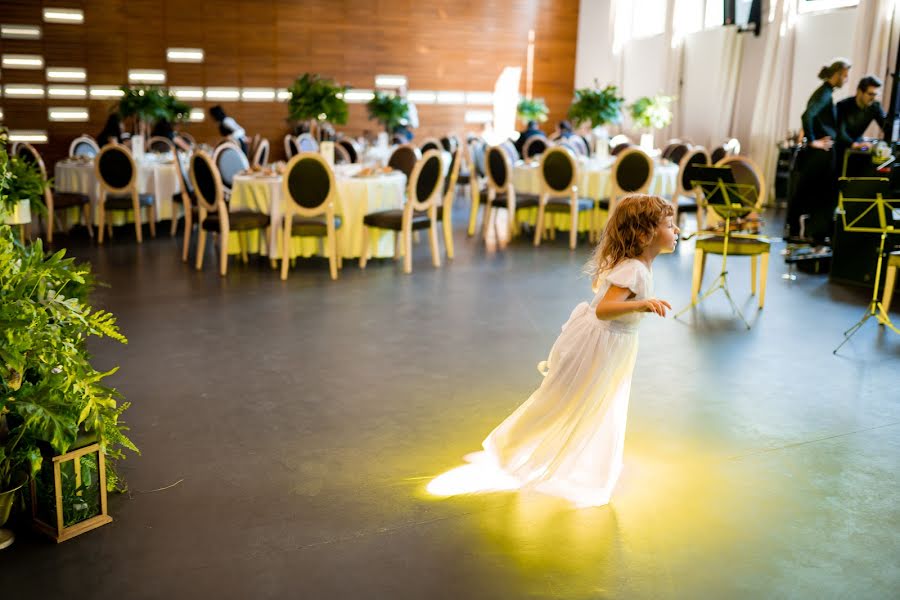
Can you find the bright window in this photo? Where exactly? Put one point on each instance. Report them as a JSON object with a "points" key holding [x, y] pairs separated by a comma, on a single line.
{"points": [[648, 18], [807, 6]]}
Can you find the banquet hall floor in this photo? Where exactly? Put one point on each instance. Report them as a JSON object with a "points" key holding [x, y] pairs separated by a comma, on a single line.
{"points": [[288, 430]]}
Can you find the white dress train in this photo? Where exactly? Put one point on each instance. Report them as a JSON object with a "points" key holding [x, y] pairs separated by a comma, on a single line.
{"points": [[567, 438]]}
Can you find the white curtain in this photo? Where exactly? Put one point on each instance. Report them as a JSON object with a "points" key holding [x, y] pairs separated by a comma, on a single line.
{"points": [[673, 71], [770, 110], [712, 64], [874, 42]]}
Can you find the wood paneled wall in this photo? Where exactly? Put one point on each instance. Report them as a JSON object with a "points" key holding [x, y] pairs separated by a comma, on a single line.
{"points": [[437, 44]]}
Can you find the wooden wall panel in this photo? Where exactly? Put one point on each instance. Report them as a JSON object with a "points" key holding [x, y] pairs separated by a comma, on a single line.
{"points": [[437, 44]]}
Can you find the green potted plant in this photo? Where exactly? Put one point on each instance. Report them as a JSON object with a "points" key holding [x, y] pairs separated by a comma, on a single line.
{"points": [[388, 109], [316, 100], [532, 109], [50, 394], [598, 107], [148, 104], [649, 113], [23, 192]]}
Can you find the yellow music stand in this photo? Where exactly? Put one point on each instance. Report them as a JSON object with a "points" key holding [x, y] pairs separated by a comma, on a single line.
{"points": [[729, 200], [863, 208]]}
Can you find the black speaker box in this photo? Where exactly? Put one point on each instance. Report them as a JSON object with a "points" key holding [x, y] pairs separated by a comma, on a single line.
{"points": [[855, 256]]}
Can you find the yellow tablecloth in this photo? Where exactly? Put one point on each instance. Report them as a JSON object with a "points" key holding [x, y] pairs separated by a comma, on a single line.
{"points": [[356, 197]]}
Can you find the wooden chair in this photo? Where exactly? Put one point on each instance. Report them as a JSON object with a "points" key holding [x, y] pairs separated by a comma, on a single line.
{"points": [[404, 158], [500, 191], [160, 144], [620, 148], [578, 144], [352, 148], [188, 138], [307, 143], [84, 145], [475, 155], [341, 156], [718, 154], [189, 208], [230, 161], [55, 201], [117, 174], [670, 145], [310, 193], [685, 197], [632, 173], [890, 280], [618, 140], [535, 146], [739, 244], [449, 143], [261, 154], [511, 151], [678, 152], [445, 208], [559, 192], [253, 144], [290, 146], [213, 213], [430, 144], [419, 212]]}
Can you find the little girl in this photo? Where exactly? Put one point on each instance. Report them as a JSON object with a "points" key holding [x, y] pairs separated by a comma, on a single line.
{"points": [[567, 438]]}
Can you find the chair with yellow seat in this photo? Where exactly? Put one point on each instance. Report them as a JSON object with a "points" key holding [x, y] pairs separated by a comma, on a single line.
{"points": [[500, 191], [739, 244], [559, 192]]}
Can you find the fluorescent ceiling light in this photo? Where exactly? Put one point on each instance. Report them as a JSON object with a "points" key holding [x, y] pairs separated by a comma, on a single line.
{"points": [[184, 55], [451, 97], [105, 91], [421, 97], [66, 74], [33, 136], [479, 116], [72, 16], [390, 81], [188, 93], [146, 76], [222, 93], [20, 32], [283, 94], [483, 98], [258, 94], [358, 95], [23, 90], [65, 113], [67, 91], [23, 61], [197, 115]]}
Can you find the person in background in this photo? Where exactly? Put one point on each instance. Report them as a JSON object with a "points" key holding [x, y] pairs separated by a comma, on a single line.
{"points": [[412, 114], [401, 134], [229, 128], [113, 131], [531, 130], [856, 113], [163, 128], [817, 186], [564, 130]]}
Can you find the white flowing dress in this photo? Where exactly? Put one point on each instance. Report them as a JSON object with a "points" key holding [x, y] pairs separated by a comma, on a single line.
{"points": [[567, 438]]}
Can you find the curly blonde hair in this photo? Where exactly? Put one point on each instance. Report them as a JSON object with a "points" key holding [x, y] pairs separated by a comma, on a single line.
{"points": [[628, 232]]}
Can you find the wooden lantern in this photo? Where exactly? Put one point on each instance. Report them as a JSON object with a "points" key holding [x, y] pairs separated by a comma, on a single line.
{"points": [[78, 500]]}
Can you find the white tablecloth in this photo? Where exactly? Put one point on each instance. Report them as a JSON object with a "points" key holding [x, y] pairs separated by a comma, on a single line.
{"points": [[356, 197], [161, 179]]}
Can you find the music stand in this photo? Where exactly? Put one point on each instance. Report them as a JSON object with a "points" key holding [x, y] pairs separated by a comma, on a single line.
{"points": [[729, 200], [863, 208]]}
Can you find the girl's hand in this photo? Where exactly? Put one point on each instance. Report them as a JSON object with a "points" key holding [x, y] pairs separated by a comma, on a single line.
{"points": [[655, 305]]}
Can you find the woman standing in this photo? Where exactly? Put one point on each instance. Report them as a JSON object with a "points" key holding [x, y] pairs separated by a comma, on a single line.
{"points": [[816, 190]]}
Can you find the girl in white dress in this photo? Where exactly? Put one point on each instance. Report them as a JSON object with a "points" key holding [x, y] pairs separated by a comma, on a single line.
{"points": [[567, 438]]}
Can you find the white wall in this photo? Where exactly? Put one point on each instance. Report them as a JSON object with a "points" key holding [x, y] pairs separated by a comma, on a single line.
{"points": [[593, 58], [645, 68], [820, 38]]}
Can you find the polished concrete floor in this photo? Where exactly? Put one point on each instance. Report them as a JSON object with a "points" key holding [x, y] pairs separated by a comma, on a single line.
{"points": [[288, 431]]}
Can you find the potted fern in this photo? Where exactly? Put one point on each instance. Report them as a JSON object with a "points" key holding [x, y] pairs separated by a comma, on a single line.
{"points": [[650, 113], [598, 107], [532, 109], [317, 100], [388, 109], [148, 104], [23, 192]]}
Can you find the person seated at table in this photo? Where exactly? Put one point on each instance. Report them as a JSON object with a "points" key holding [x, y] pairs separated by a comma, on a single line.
{"points": [[163, 128], [855, 113], [563, 130], [113, 131], [531, 130], [402, 132], [229, 128]]}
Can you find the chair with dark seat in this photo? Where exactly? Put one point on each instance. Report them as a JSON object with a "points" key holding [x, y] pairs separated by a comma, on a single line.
{"points": [[307, 143], [404, 159], [718, 154], [290, 146], [213, 213], [160, 145], [632, 173], [419, 212], [476, 179], [230, 161], [580, 146], [117, 173], [341, 157], [685, 198], [261, 154], [84, 145], [535, 146], [501, 193], [188, 205], [449, 144], [559, 192], [445, 208], [510, 148], [188, 139], [55, 201], [309, 210], [670, 145], [677, 152], [254, 144], [352, 148], [739, 244], [430, 144], [620, 148]]}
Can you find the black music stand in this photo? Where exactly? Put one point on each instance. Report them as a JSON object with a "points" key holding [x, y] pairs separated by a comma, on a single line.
{"points": [[863, 208], [729, 200]]}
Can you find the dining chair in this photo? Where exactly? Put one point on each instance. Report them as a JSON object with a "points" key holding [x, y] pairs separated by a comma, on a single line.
{"points": [[685, 198], [445, 207], [430, 144], [160, 144], [341, 156], [404, 159], [559, 193], [535, 146], [230, 161], [352, 148], [84, 145], [307, 143], [188, 205], [117, 174], [261, 154], [290, 146], [501, 193]]}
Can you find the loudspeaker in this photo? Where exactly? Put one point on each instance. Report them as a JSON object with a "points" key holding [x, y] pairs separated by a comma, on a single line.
{"points": [[855, 256]]}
